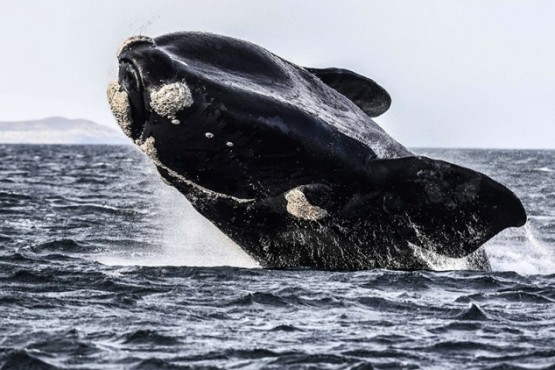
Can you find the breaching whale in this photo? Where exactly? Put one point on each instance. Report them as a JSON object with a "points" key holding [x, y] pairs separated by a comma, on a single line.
{"points": [[288, 163]]}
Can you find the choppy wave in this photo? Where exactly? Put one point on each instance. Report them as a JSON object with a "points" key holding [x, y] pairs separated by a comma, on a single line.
{"points": [[544, 169]]}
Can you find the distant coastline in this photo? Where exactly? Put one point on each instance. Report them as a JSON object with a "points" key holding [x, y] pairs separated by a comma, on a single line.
{"points": [[59, 130]]}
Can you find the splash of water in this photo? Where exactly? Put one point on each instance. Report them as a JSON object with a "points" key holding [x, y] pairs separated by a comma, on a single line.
{"points": [[185, 238], [192, 240], [521, 250]]}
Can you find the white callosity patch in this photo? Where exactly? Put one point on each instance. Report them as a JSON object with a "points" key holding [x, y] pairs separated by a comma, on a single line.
{"points": [[132, 40], [119, 104], [300, 207], [149, 149], [170, 99]]}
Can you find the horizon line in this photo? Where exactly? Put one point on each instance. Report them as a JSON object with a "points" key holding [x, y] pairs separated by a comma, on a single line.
{"points": [[410, 147]]}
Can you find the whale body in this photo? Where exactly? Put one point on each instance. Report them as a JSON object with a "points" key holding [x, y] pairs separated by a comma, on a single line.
{"points": [[289, 164]]}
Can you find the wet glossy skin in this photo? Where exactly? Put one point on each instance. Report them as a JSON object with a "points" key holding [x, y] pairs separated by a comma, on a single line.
{"points": [[260, 106], [257, 127]]}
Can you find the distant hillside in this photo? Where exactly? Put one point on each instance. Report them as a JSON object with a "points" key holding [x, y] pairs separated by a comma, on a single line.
{"points": [[59, 130]]}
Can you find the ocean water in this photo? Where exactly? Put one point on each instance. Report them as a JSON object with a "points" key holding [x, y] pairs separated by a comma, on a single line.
{"points": [[102, 266]]}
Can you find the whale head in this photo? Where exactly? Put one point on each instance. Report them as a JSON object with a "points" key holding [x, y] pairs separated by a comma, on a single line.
{"points": [[232, 117]]}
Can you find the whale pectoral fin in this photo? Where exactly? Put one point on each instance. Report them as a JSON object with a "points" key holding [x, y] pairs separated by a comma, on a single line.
{"points": [[370, 97], [448, 209]]}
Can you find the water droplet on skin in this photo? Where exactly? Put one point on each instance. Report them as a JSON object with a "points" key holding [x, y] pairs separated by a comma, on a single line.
{"points": [[209, 135]]}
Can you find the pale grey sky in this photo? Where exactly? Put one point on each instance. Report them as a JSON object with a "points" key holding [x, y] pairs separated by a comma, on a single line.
{"points": [[462, 73]]}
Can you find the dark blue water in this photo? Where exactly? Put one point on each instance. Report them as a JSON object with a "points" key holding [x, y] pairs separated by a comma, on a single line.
{"points": [[95, 273]]}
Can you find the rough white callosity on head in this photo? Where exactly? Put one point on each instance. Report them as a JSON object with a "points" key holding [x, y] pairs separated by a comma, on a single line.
{"points": [[119, 104], [132, 40], [300, 207], [170, 99], [149, 149]]}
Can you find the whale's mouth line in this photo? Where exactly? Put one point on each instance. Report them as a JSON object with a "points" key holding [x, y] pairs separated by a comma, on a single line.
{"points": [[199, 188], [131, 82]]}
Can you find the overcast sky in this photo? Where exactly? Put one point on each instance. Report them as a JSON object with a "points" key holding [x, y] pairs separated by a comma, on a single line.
{"points": [[469, 73]]}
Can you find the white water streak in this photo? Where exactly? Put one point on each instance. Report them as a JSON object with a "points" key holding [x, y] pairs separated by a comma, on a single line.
{"points": [[528, 256]]}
